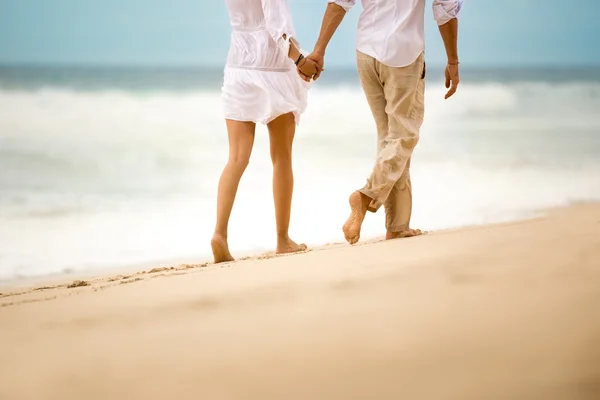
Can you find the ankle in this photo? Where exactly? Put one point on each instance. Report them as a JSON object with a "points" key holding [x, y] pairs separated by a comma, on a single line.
{"points": [[398, 230], [283, 237], [365, 201]]}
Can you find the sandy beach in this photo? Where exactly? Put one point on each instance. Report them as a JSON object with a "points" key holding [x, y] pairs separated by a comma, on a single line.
{"points": [[507, 311]]}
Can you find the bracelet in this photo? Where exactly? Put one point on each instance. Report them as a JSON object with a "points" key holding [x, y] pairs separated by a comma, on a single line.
{"points": [[453, 63], [299, 59]]}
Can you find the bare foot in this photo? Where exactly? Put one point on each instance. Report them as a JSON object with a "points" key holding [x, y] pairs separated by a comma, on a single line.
{"points": [[220, 249], [358, 206], [287, 245], [403, 234]]}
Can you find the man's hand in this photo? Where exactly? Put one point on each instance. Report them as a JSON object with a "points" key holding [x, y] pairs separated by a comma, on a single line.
{"points": [[452, 79], [319, 59], [307, 69]]}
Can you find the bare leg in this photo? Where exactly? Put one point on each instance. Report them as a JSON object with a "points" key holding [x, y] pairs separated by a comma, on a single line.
{"points": [[358, 209], [241, 141], [281, 133]]}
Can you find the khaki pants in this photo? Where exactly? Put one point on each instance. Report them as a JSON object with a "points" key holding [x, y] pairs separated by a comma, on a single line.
{"points": [[396, 98]]}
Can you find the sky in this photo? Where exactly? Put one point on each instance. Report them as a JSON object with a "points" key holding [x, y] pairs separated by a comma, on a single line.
{"points": [[196, 32]]}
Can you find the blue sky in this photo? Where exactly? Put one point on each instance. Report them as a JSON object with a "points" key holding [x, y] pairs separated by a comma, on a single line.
{"points": [[196, 32]]}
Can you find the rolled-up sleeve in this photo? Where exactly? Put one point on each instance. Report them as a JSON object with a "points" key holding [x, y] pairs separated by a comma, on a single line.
{"points": [[445, 10], [278, 19], [345, 4]]}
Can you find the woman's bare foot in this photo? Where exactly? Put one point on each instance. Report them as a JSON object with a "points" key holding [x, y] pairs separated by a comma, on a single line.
{"points": [[358, 206], [286, 245], [403, 234], [220, 249]]}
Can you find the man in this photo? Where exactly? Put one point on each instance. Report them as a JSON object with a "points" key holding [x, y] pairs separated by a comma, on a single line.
{"points": [[391, 67]]}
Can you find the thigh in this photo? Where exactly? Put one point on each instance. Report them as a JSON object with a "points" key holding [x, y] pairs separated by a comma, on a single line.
{"points": [[241, 139], [281, 136], [404, 93], [369, 74]]}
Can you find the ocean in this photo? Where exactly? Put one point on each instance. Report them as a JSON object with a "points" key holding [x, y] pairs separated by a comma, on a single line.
{"points": [[106, 168]]}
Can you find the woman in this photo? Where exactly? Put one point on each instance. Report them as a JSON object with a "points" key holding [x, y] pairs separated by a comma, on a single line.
{"points": [[261, 85]]}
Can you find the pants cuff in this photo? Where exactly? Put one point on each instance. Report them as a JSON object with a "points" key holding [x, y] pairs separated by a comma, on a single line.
{"points": [[397, 228], [374, 204]]}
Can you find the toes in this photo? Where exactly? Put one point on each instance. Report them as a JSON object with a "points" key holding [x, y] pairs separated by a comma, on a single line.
{"points": [[352, 239], [348, 238], [404, 234], [291, 248]]}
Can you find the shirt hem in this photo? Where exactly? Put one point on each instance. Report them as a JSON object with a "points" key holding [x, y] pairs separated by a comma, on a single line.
{"points": [[371, 53]]}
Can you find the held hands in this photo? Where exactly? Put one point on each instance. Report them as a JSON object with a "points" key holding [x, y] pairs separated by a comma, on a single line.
{"points": [[452, 78], [310, 67]]}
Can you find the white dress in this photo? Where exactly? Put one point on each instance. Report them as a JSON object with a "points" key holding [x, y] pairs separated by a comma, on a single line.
{"points": [[261, 82]]}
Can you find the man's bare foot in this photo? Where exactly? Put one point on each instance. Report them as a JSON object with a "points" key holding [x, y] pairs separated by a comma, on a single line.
{"points": [[358, 210], [403, 234], [287, 245], [220, 249]]}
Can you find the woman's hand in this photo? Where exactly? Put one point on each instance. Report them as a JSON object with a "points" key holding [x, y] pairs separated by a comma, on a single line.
{"points": [[308, 68]]}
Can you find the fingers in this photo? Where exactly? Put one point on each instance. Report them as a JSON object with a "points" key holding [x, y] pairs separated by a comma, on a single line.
{"points": [[452, 89], [302, 76], [312, 66], [300, 72], [308, 69], [318, 73], [317, 62], [452, 79], [305, 75]]}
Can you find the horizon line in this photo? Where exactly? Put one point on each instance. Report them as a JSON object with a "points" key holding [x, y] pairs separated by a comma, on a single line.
{"points": [[183, 66]]}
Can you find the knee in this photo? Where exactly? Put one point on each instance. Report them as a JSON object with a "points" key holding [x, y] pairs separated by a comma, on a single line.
{"points": [[395, 148], [409, 142], [238, 163], [404, 146], [281, 158]]}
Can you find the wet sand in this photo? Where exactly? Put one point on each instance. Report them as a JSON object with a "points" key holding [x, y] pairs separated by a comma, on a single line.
{"points": [[506, 311]]}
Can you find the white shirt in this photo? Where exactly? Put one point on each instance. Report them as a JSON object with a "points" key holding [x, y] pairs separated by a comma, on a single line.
{"points": [[261, 34], [393, 31], [260, 81]]}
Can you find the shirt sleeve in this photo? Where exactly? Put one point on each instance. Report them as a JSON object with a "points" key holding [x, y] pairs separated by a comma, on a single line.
{"points": [[445, 10], [278, 19], [345, 4]]}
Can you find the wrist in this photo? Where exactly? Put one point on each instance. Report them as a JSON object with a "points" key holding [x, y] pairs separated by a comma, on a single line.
{"points": [[453, 61], [319, 50], [294, 53]]}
